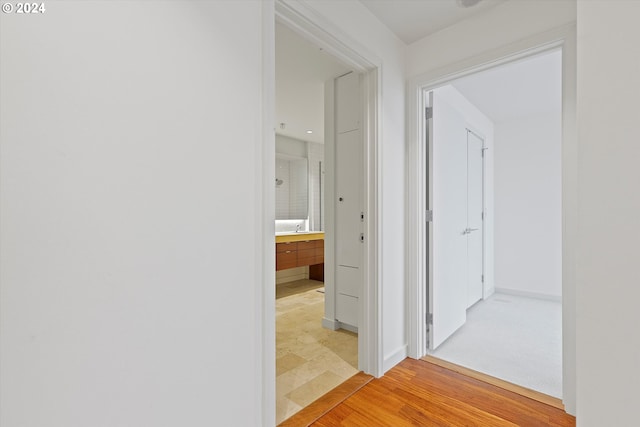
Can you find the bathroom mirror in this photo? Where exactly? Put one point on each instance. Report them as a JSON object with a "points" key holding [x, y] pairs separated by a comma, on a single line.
{"points": [[292, 187]]}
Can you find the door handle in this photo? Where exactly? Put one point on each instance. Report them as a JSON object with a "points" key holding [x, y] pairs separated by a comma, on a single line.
{"points": [[469, 230]]}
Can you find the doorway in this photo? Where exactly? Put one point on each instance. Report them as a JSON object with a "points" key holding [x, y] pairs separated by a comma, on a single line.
{"points": [[510, 298], [338, 325]]}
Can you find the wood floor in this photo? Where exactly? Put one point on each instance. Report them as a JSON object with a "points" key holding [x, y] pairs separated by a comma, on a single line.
{"points": [[419, 393]]}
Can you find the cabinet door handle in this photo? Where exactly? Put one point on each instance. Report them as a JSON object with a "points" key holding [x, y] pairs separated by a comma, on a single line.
{"points": [[287, 252]]}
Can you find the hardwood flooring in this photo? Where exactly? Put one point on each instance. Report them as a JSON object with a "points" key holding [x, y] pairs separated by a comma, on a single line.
{"points": [[523, 391], [419, 393]]}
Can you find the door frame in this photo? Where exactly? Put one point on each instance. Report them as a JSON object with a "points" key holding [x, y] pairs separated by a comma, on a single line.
{"points": [[563, 38], [484, 148], [311, 25]]}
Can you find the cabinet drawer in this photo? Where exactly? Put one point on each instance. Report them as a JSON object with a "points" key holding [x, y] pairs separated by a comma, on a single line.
{"points": [[288, 246], [299, 254], [306, 244], [286, 260]]}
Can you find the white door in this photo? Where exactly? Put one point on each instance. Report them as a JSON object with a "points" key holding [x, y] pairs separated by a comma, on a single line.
{"points": [[447, 184], [475, 207]]}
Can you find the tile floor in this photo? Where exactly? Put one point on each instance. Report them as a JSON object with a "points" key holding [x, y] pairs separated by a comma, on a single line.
{"points": [[514, 338], [310, 360]]}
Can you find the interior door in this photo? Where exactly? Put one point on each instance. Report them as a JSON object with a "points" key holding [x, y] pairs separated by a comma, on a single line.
{"points": [[447, 184], [475, 207]]}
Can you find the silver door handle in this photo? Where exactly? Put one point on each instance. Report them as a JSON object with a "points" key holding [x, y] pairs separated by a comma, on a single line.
{"points": [[469, 230]]}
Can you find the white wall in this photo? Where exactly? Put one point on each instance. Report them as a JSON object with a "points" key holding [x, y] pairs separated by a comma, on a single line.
{"points": [[608, 341], [528, 206], [500, 26], [357, 22], [128, 290], [502, 29]]}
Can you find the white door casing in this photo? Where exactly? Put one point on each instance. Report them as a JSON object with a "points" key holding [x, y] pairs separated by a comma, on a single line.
{"points": [[418, 271], [475, 223]]}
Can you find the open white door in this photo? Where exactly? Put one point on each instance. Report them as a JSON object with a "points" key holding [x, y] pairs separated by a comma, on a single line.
{"points": [[447, 184]]}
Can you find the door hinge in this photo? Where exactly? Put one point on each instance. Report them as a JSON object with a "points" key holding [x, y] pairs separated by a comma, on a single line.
{"points": [[429, 318], [482, 216], [428, 113], [428, 217], [482, 278], [361, 216], [362, 237]]}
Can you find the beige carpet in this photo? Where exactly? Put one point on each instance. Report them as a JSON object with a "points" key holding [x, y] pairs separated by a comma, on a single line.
{"points": [[310, 360]]}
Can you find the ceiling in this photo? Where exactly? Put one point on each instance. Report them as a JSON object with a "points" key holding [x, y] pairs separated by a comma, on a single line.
{"points": [[525, 88], [301, 71], [412, 20]]}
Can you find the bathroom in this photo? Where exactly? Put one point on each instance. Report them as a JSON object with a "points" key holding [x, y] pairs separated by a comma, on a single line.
{"points": [[314, 351]]}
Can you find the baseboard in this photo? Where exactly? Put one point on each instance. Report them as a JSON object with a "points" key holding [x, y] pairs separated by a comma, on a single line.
{"points": [[349, 328], [526, 294], [396, 357], [334, 325]]}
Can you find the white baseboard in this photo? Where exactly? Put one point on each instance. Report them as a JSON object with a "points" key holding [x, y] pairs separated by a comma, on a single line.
{"points": [[334, 325], [526, 294], [396, 357], [349, 328]]}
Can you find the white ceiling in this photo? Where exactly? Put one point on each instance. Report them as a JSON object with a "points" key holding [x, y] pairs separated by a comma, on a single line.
{"points": [[301, 71], [525, 88], [412, 20]]}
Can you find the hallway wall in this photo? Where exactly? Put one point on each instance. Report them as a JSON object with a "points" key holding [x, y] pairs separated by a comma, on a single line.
{"points": [[125, 187], [608, 224]]}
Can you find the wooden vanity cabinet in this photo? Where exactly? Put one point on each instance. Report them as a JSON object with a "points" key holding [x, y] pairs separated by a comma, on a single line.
{"points": [[301, 254]]}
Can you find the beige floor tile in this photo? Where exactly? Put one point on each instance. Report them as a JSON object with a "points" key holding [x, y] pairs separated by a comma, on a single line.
{"points": [[313, 389], [310, 360], [285, 408], [288, 362], [298, 376]]}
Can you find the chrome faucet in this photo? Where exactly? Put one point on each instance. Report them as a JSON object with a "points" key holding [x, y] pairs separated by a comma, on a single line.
{"points": [[298, 228]]}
